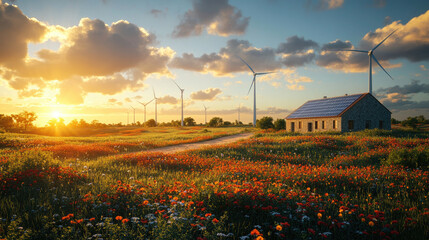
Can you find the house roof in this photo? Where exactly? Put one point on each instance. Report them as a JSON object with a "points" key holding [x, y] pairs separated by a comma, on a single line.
{"points": [[326, 107]]}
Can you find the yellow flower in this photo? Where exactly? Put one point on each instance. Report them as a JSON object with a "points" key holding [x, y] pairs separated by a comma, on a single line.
{"points": [[260, 238], [279, 228], [340, 215], [319, 215]]}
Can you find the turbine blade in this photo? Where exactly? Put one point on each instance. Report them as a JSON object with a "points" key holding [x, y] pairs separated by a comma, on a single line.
{"points": [[349, 50], [149, 101], [381, 66], [384, 40], [254, 77], [154, 96], [140, 103], [247, 64], [176, 84], [263, 73]]}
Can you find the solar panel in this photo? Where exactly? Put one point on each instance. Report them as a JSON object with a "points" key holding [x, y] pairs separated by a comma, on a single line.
{"points": [[326, 107]]}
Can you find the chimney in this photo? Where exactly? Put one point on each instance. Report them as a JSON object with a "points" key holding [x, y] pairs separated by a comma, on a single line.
{"points": [[325, 97], [346, 94]]}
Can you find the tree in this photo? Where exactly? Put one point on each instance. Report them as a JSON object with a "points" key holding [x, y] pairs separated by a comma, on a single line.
{"points": [[73, 123], [150, 123], [279, 124], [410, 122], [6, 122], [265, 123], [24, 119], [394, 121], [215, 122], [189, 121], [227, 123], [83, 123]]}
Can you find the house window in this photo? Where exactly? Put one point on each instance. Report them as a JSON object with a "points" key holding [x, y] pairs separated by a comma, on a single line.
{"points": [[316, 124], [334, 124], [323, 124], [310, 127], [367, 124], [380, 124], [351, 124], [292, 126], [299, 124]]}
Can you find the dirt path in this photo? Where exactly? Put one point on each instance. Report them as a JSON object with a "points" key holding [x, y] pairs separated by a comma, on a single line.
{"points": [[192, 146]]}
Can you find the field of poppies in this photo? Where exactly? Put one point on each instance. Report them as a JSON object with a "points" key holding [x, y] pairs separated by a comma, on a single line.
{"points": [[367, 185]]}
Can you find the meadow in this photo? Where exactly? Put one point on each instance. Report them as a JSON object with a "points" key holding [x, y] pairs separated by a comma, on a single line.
{"points": [[275, 185]]}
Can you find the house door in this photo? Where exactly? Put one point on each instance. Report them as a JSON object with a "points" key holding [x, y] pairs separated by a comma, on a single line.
{"points": [[292, 127], [310, 127]]}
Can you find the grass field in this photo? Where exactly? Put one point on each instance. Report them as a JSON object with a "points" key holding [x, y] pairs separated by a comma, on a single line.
{"points": [[367, 185]]}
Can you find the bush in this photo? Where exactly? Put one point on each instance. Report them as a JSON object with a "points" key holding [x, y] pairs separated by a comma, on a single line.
{"points": [[150, 123], [280, 124], [265, 123], [412, 158], [216, 122], [29, 160]]}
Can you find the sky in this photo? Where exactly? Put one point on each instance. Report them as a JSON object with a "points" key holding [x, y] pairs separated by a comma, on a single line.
{"points": [[98, 59]]}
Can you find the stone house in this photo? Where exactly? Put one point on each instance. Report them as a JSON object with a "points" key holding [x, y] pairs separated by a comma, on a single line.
{"points": [[345, 113]]}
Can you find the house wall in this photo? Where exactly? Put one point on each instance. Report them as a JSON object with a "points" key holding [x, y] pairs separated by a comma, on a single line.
{"points": [[305, 121], [368, 108]]}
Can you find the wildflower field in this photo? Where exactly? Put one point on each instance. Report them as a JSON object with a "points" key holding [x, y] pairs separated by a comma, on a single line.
{"points": [[368, 185]]}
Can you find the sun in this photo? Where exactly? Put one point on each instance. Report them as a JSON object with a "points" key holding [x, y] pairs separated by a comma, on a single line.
{"points": [[56, 114]]}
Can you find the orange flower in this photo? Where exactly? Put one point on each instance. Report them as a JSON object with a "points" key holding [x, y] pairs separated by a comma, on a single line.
{"points": [[279, 228], [125, 220], [371, 223], [215, 220], [118, 218], [319, 215], [255, 232], [260, 238], [363, 219]]}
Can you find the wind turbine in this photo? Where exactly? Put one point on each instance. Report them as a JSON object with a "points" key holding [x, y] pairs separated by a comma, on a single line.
{"points": [[156, 103], [181, 94], [205, 113], [371, 56], [145, 104], [254, 89], [134, 114]]}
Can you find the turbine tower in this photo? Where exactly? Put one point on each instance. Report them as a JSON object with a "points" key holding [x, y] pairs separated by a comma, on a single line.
{"points": [[156, 103], [371, 56], [134, 114], [205, 113], [145, 104], [181, 95], [254, 88]]}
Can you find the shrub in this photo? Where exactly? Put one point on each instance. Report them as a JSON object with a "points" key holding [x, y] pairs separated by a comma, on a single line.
{"points": [[265, 123], [280, 124], [150, 123], [412, 158], [29, 160], [216, 122]]}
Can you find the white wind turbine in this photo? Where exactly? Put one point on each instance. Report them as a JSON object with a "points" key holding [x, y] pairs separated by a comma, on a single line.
{"points": [[181, 95], [205, 113], [134, 114], [156, 103], [145, 104], [254, 88], [372, 56]]}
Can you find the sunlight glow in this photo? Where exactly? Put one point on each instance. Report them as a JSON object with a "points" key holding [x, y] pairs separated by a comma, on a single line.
{"points": [[56, 114]]}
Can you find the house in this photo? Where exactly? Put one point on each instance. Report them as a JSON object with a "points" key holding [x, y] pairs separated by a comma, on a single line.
{"points": [[345, 113]]}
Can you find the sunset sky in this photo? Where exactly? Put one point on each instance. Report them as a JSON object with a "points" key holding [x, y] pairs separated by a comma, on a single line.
{"points": [[94, 59]]}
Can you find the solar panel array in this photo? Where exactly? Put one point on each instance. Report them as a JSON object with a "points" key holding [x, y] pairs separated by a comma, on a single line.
{"points": [[326, 107]]}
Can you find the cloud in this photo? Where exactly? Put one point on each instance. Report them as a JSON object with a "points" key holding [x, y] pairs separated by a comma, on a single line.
{"points": [[217, 17], [411, 42], [296, 44], [156, 12], [71, 92], [95, 49], [413, 87], [167, 100], [324, 4], [17, 30], [400, 97], [227, 60], [387, 20], [110, 85], [206, 95]]}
